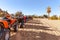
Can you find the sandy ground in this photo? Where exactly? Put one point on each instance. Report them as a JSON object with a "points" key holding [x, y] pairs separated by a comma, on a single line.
{"points": [[53, 23], [36, 29]]}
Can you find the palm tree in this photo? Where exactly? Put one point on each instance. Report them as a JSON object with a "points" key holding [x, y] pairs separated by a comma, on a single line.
{"points": [[48, 11]]}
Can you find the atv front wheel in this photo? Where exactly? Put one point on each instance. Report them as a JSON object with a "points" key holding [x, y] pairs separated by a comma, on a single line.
{"points": [[4, 33], [1, 31], [7, 35]]}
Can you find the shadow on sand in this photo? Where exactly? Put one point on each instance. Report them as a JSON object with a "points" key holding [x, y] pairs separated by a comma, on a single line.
{"points": [[30, 35], [37, 27], [35, 22]]}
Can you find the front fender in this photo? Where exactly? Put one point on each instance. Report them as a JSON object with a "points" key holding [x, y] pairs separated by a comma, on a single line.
{"points": [[5, 23], [13, 21]]}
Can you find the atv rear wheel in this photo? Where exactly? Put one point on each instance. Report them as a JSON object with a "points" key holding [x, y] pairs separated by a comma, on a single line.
{"points": [[15, 28], [7, 35], [21, 26]]}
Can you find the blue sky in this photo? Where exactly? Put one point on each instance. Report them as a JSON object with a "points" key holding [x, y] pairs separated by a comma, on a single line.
{"points": [[30, 7]]}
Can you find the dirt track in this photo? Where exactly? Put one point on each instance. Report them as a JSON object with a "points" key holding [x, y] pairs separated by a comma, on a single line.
{"points": [[36, 30]]}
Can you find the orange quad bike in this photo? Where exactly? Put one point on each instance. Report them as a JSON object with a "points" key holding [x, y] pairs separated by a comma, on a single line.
{"points": [[4, 30], [14, 24], [5, 25]]}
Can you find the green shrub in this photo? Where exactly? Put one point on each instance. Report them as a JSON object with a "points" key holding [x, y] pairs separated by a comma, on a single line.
{"points": [[54, 17], [59, 18], [45, 16]]}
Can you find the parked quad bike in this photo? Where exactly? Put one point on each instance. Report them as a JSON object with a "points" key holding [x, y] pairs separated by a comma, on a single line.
{"points": [[5, 28], [20, 22]]}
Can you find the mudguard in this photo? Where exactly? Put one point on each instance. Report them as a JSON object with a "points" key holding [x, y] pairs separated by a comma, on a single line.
{"points": [[5, 23]]}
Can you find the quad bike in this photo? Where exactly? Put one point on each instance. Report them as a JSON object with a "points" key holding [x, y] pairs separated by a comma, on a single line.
{"points": [[5, 26], [20, 21], [4, 30]]}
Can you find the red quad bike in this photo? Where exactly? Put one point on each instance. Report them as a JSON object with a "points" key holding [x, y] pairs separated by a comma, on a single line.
{"points": [[5, 28]]}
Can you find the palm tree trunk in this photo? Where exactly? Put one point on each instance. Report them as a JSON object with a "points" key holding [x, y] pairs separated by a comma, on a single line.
{"points": [[48, 15]]}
